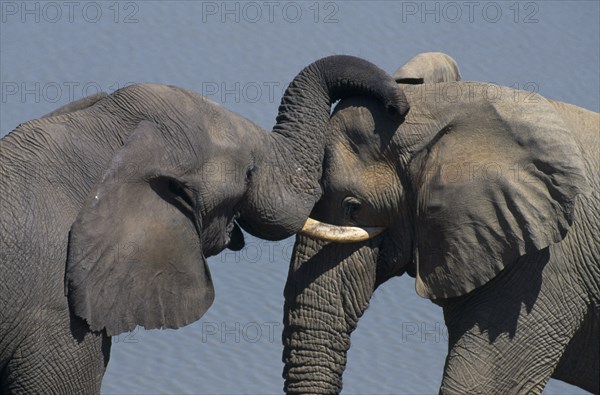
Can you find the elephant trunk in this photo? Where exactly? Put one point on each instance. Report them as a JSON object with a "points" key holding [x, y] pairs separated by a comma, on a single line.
{"points": [[323, 301], [289, 167]]}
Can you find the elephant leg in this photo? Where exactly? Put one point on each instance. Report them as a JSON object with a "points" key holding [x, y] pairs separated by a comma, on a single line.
{"points": [[575, 367], [59, 356], [508, 336]]}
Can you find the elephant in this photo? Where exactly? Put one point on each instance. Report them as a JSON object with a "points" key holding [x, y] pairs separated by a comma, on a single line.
{"points": [[111, 204], [428, 68], [489, 198]]}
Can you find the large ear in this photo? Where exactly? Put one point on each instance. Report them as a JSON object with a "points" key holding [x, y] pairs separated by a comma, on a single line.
{"points": [[135, 250], [428, 68], [496, 179]]}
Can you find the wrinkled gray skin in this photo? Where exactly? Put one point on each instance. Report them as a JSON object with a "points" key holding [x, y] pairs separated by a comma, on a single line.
{"points": [[130, 192], [489, 197]]}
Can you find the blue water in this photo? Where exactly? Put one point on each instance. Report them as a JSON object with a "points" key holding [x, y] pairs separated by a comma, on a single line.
{"points": [[243, 55]]}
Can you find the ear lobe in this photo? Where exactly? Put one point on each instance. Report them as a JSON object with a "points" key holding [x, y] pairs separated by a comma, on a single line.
{"points": [[498, 182], [135, 254]]}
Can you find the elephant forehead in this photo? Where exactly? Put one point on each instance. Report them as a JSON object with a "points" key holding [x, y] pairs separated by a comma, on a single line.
{"points": [[353, 119], [355, 111], [347, 167], [365, 130]]}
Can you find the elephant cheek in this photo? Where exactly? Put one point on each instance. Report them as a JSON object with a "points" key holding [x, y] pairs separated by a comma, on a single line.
{"points": [[328, 289]]}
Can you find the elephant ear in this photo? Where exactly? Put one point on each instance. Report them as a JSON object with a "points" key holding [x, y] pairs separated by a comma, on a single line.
{"points": [[498, 179], [135, 253]]}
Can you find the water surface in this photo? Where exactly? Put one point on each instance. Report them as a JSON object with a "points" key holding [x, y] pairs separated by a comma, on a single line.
{"points": [[228, 52]]}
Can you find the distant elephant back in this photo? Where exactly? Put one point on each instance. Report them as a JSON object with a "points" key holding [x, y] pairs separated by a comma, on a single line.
{"points": [[428, 68]]}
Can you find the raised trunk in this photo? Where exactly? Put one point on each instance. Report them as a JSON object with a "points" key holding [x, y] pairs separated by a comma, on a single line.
{"points": [[288, 166], [323, 301]]}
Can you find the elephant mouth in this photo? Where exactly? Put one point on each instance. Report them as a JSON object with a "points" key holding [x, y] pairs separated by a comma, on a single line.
{"points": [[234, 238], [338, 234]]}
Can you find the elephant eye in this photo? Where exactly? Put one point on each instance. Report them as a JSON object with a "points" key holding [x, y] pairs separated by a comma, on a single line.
{"points": [[351, 206], [250, 170]]}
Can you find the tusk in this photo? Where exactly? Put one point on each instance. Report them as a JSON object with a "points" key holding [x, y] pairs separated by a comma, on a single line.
{"points": [[338, 234]]}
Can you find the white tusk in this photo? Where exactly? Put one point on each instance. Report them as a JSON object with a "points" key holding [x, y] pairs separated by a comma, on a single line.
{"points": [[338, 234]]}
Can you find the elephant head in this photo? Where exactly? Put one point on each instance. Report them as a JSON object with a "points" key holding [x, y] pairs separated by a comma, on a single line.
{"points": [[186, 171], [475, 176]]}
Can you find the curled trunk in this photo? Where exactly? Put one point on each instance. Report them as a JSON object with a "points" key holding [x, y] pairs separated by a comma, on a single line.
{"points": [[288, 168], [328, 288]]}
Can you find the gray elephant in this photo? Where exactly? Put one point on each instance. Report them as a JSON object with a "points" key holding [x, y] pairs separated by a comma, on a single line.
{"points": [[110, 206], [489, 197]]}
